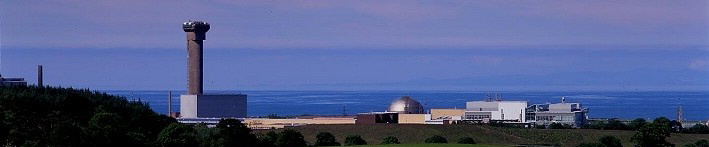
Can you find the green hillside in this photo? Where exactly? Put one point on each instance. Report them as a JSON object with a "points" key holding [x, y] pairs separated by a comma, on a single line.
{"points": [[416, 134]]}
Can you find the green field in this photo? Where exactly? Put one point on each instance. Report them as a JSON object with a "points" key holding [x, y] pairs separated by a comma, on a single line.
{"points": [[416, 134], [430, 145]]}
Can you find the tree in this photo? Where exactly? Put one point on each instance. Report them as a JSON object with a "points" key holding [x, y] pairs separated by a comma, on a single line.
{"points": [[652, 135], [466, 140], [592, 144], [662, 121], [615, 125], [177, 135], [436, 139], [610, 141], [354, 140], [290, 138], [699, 129], [556, 126], [269, 139], [637, 123], [234, 133], [4, 130], [391, 140], [702, 143], [107, 129], [326, 139]]}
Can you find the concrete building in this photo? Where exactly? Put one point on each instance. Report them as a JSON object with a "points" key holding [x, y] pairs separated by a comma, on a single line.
{"points": [[499, 111], [12, 81], [406, 105], [455, 114], [195, 104], [566, 113]]}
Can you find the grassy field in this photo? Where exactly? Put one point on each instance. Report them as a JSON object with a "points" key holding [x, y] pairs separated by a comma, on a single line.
{"points": [[416, 134], [430, 145]]}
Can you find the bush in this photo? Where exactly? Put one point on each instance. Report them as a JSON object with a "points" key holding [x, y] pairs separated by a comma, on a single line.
{"points": [[436, 139], [354, 140], [702, 143], [610, 141], [699, 129], [637, 124], [466, 140], [290, 138], [594, 144], [326, 139], [391, 140], [558, 126], [177, 135], [615, 125]]}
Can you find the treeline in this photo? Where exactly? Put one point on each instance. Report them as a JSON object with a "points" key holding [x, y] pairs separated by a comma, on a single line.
{"points": [[48, 116], [673, 125]]}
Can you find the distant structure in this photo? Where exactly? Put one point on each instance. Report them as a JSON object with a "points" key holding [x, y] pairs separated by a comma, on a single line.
{"points": [[195, 104], [406, 105], [680, 112], [12, 81], [495, 111], [565, 113], [39, 76]]}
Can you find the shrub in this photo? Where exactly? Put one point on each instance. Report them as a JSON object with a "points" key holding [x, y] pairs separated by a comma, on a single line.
{"points": [[557, 126], [326, 139], [466, 140], [177, 135], [391, 140], [290, 138], [354, 140], [699, 129], [610, 141], [436, 139], [594, 144], [637, 123]]}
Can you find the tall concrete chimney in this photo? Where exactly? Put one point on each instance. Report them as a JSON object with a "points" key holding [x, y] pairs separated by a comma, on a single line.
{"points": [[39, 76], [196, 34]]}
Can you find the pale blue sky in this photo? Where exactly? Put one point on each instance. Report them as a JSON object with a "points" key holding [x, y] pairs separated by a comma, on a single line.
{"points": [[354, 45]]}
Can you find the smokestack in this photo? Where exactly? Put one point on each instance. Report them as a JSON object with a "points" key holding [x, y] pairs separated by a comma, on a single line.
{"points": [[169, 103], [196, 34], [39, 76]]}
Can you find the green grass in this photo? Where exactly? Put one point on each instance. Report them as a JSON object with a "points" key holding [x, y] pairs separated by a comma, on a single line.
{"points": [[417, 134], [430, 145]]}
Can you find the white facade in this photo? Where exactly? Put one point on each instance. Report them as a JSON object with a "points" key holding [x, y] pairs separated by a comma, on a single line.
{"points": [[510, 111]]}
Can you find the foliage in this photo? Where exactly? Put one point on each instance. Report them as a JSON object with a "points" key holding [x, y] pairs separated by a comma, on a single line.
{"points": [[177, 135], [702, 143], [290, 138], [354, 140], [637, 124], [436, 139], [610, 141], [326, 139], [466, 140], [590, 144], [559, 126], [652, 135], [662, 121], [3, 130], [699, 129], [268, 139], [391, 140], [232, 132], [615, 125], [52, 116]]}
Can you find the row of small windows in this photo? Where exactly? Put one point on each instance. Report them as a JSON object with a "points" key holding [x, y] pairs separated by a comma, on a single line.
{"points": [[477, 116], [555, 118]]}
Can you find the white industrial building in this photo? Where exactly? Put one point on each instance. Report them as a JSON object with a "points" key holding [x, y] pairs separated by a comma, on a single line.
{"points": [[565, 113], [498, 110]]}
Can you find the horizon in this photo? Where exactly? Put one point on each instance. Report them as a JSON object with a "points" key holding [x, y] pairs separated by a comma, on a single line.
{"points": [[364, 45]]}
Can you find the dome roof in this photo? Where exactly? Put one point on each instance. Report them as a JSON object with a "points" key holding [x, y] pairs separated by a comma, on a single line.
{"points": [[406, 105]]}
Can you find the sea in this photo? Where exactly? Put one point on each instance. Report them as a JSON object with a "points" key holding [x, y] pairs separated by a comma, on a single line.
{"points": [[601, 104]]}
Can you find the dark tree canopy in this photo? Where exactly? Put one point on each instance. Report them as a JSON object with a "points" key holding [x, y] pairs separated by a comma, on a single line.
{"points": [[290, 138], [354, 140], [610, 141], [51, 116], [436, 139], [652, 135], [177, 135], [391, 140], [699, 129], [637, 123], [326, 139], [590, 144], [466, 140]]}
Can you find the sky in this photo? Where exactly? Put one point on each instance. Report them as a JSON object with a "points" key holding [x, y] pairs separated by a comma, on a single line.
{"points": [[362, 45]]}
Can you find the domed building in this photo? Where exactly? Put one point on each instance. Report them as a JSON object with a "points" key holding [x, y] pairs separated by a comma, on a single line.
{"points": [[406, 105]]}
